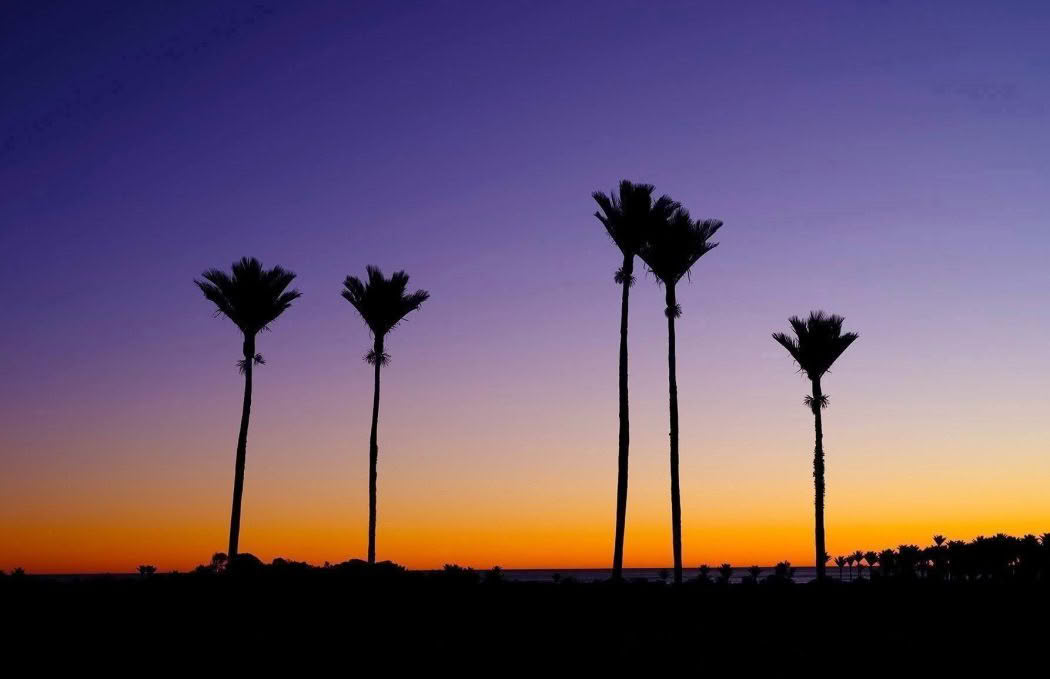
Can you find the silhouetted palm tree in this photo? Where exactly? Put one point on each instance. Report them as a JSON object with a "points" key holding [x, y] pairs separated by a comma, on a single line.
{"points": [[252, 298], [840, 561], [382, 303], [628, 218], [872, 558], [849, 562], [818, 342], [858, 556], [670, 254]]}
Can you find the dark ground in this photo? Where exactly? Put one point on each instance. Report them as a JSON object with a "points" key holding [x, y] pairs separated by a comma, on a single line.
{"points": [[436, 619]]}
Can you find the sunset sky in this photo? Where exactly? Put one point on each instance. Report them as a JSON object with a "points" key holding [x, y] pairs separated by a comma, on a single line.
{"points": [[887, 161]]}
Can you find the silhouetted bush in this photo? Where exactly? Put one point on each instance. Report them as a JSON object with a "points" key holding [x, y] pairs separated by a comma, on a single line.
{"points": [[454, 573]]}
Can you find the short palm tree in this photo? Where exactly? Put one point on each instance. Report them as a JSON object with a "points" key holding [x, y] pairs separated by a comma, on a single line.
{"points": [[872, 558], [670, 253], [628, 218], [253, 298], [840, 561], [817, 344], [858, 557], [382, 303]]}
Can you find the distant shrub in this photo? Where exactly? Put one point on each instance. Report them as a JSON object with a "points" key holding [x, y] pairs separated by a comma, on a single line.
{"points": [[459, 574]]}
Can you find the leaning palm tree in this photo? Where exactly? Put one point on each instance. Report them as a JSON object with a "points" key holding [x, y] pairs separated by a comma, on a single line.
{"points": [[817, 343], [628, 218], [670, 254], [382, 303], [253, 297]]}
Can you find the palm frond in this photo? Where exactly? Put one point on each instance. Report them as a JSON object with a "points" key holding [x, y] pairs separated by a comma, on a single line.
{"points": [[788, 343], [621, 277], [676, 245], [818, 342], [242, 365], [629, 214], [813, 403], [252, 297], [373, 356], [382, 302]]}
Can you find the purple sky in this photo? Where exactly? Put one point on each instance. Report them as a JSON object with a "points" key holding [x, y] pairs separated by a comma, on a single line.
{"points": [[888, 161]]}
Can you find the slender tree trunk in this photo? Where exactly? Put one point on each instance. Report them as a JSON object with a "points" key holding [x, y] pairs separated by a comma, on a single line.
{"points": [[625, 430], [818, 482], [373, 455], [672, 386], [242, 449]]}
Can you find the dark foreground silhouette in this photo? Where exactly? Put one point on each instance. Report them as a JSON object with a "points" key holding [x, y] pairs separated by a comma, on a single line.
{"points": [[992, 598]]}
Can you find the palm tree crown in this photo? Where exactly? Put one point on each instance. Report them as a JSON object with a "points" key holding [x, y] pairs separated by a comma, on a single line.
{"points": [[630, 217], [672, 250], [252, 297], [818, 342], [382, 303]]}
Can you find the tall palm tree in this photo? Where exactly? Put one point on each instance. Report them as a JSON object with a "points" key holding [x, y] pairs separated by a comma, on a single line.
{"points": [[670, 252], [628, 218], [253, 298], [817, 344], [382, 303]]}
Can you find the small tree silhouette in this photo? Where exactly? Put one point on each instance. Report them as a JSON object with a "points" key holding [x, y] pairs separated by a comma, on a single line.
{"points": [[858, 556], [840, 561], [784, 572]]}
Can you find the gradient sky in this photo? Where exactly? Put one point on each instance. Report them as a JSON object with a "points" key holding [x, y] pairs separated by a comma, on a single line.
{"points": [[888, 161]]}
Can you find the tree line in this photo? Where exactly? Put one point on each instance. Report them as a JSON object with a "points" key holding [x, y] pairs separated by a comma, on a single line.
{"points": [[661, 232]]}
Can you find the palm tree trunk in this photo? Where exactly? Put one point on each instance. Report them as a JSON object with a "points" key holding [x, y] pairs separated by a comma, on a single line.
{"points": [[373, 455], [625, 431], [818, 482], [242, 449], [672, 387]]}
